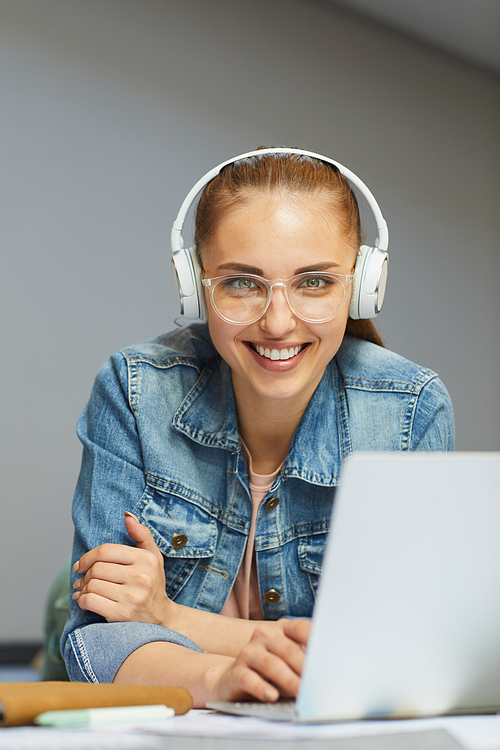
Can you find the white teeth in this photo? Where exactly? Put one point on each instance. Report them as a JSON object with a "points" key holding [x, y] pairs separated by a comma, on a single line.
{"points": [[278, 353]]}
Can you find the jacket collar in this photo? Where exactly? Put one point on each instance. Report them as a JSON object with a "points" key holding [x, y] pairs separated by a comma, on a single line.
{"points": [[207, 415]]}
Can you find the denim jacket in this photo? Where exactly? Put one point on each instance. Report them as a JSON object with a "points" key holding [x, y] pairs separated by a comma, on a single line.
{"points": [[160, 439]]}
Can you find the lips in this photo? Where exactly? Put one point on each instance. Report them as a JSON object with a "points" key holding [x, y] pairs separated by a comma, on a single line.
{"points": [[277, 354]]}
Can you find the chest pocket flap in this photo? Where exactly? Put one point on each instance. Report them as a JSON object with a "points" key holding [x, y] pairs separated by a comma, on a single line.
{"points": [[310, 551], [180, 528]]}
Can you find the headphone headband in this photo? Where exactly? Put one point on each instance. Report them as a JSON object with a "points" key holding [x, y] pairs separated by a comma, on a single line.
{"points": [[382, 241], [371, 266]]}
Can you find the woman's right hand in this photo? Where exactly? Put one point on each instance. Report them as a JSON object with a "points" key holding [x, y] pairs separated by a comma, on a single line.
{"points": [[123, 583], [267, 667]]}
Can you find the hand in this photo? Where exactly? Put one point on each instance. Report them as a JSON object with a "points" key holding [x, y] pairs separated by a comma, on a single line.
{"points": [[122, 583], [268, 666]]}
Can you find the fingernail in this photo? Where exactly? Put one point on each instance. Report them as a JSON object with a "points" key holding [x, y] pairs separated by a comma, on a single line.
{"points": [[131, 515], [76, 584], [76, 566], [76, 595]]}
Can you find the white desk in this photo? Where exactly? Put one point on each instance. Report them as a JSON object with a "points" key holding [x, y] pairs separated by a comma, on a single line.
{"points": [[203, 730]]}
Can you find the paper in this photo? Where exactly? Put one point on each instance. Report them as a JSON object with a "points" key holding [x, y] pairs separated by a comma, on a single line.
{"points": [[471, 732]]}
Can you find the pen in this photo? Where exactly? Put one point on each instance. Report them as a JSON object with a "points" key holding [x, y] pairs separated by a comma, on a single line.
{"points": [[102, 716]]}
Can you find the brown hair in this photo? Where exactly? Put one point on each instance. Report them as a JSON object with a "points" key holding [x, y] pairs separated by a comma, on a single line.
{"points": [[294, 173]]}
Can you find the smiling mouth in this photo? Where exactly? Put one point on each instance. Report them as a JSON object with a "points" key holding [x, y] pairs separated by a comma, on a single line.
{"points": [[277, 354]]}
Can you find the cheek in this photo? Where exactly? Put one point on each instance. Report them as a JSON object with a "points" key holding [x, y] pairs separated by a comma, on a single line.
{"points": [[222, 333], [214, 326], [333, 338]]}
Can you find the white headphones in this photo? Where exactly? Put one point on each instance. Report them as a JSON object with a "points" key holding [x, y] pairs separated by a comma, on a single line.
{"points": [[370, 274]]}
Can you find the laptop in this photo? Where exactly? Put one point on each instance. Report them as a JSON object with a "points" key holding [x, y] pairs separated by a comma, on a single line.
{"points": [[407, 619]]}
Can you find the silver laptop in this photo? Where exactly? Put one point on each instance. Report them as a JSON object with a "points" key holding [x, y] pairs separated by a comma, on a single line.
{"points": [[407, 620]]}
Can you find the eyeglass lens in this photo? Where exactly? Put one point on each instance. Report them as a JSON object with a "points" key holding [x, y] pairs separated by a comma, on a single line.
{"points": [[241, 299]]}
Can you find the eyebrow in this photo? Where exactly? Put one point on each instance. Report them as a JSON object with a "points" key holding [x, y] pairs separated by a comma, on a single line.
{"points": [[318, 267], [242, 268]]}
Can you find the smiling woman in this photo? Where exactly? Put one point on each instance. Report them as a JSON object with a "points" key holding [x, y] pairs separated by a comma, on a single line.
{"points": [[223, 443]]}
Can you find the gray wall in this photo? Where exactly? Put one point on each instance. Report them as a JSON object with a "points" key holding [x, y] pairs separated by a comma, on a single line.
{"points": [[111, 109]]}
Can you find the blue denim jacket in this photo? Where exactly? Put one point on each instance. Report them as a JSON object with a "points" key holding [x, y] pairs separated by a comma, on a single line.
{"points": [[160, 439]]}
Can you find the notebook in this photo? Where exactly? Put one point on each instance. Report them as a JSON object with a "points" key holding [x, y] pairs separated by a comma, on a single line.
{"points": [[407, 619]]}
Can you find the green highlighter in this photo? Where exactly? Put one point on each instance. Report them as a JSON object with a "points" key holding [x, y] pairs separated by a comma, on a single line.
{"points": [[105, 716]]}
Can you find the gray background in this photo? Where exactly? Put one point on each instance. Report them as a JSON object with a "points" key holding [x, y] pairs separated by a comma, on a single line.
{"points": [[111, 109]]}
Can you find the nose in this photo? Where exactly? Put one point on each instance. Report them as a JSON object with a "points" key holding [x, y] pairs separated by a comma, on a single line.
{"points": [[278, 320]]}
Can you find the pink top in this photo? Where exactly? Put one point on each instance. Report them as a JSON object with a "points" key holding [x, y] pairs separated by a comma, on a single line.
{"points": [[244, 599]]}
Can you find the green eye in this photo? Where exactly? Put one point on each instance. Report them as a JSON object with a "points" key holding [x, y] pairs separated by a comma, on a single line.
{"points": [[315, 282], [244, 283], [239, 285], [238, 282]]}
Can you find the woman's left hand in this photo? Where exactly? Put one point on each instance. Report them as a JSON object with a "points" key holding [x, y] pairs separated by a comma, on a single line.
{"points": [[122, 583], [268, 666]]}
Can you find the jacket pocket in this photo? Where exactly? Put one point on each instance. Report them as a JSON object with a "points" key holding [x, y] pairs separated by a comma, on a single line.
{"points": [[310, 551], [183, 532]]}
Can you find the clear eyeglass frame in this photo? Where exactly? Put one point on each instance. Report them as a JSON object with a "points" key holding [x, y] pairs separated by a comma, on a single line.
{"points": [[286, 284]]}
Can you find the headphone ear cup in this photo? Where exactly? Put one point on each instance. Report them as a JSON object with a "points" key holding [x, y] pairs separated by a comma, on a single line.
{"points": [[200, 293], [186, 273], [356, 283], [369, 283]]}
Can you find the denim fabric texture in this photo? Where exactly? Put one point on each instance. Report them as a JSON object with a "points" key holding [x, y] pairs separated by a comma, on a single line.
{"points": [[160, 440]]}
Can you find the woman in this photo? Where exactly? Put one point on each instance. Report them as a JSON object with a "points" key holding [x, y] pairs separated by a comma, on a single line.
{"points": [[223, 444]]}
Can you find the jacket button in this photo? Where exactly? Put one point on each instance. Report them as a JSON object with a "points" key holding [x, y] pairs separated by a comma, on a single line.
{"points": [[272, 596], [179, 540], [272, 503]]}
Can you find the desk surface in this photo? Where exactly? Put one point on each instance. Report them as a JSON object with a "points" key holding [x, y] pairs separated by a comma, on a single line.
{"points": [[58, 740], [204, 730]]}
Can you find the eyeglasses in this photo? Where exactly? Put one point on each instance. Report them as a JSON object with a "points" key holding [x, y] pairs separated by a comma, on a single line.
{"points": [[312, 297]]}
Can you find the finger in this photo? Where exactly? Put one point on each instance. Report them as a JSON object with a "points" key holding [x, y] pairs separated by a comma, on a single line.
{"points": [[112, 572], [291, 652], [121, 554], [297, 629], [247, 682], [104, 589], [104, 603], [275, 669], [113, 602], [140, 534]]}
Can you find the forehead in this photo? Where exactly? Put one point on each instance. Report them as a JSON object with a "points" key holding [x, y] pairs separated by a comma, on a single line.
{"points": [[275, 225], [282, 207]]}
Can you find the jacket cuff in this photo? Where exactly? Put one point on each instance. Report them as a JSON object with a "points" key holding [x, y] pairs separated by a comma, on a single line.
{"points": [[89, 659]]}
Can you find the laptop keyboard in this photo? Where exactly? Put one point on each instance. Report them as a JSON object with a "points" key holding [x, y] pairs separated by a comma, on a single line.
{"points": [[282, 710]]}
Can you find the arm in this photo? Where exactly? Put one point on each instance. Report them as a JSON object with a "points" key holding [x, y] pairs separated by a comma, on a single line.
{"points": [[267, 658], [433, 424], [127, 584], [270, 665]]}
